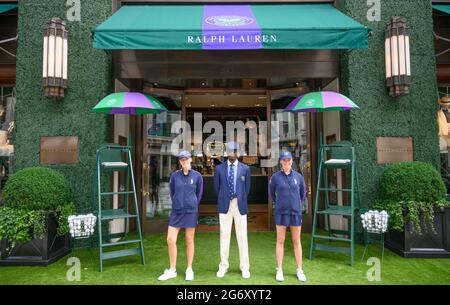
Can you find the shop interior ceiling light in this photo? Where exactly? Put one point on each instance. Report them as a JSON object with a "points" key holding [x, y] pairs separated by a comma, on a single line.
{"points": [[55, 52], [398, 61]]}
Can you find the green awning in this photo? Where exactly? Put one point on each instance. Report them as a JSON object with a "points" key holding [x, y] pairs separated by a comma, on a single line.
{"points": [[7, 7], [442, 7], [230, 26]]}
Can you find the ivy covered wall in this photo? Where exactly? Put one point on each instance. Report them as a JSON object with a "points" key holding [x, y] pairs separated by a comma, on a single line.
{"points": [[363, 80], [89, 80]]}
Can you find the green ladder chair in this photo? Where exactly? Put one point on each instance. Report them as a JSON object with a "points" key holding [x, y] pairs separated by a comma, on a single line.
{"points": [[110, 158], [341, 156]]}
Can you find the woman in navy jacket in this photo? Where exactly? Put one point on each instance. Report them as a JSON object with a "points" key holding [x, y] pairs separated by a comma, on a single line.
{"points": [[186, 189], [287, 190]]}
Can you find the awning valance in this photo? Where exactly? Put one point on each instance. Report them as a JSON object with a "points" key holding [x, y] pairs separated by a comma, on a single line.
{"points": [[7, 7], [227, 27], [442, 7]]}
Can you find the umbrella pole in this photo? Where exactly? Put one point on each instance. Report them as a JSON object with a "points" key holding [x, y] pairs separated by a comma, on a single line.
{"points": [[320, 139], [129, 142]]}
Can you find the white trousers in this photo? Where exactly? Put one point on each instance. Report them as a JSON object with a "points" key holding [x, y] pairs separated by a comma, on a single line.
{"points": [[240, 225]]}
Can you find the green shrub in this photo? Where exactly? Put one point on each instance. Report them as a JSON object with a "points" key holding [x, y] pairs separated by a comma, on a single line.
{"points": [[15, 224], [37, 188], [409, 192], [29, 195], [412, 181]]}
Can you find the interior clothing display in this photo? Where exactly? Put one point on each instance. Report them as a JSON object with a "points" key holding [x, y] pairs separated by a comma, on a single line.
{"points": [[443, 118], [447, 114], [9, 116], [442, 121]]}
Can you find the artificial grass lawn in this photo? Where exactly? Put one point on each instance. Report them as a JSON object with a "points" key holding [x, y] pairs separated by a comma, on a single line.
{"points": [[326, 268]]}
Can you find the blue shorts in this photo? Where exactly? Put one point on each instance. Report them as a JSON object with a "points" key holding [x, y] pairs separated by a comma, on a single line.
{"points": [[183, 220], [288, 220]]}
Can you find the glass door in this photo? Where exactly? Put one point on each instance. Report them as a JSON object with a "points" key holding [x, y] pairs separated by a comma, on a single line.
{"points": [[158, 161], [293, 134], [222, 107]]}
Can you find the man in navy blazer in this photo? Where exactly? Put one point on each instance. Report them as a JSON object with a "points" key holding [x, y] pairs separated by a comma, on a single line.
{"points": [[232, 186]]}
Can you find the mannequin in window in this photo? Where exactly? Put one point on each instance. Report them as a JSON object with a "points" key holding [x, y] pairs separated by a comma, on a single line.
{"points": [[444, 124]]}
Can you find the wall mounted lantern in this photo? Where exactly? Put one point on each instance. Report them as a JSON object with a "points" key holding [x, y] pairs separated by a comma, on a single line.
{"points": [[54, 70], [398, 62]]}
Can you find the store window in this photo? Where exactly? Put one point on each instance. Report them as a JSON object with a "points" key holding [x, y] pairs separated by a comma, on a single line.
{"points": [[7, 106], [292, 136], [8, 51], [444, 138], [161, 162], [229, 109], [441, 29]]}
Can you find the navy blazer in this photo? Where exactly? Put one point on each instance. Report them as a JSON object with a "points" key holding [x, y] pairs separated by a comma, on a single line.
{"points": [[287, 192], [185, 191], [242, 187]]}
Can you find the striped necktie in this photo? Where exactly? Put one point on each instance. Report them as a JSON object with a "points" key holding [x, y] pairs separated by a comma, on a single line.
{"points": [[231, 181]]}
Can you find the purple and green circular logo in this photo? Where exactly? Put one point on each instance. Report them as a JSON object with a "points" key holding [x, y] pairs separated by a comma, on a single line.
{"points": [[229, 21]]}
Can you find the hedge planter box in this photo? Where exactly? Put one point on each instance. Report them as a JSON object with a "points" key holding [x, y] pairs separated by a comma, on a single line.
{"points": [[427, 245], [38, 252]]}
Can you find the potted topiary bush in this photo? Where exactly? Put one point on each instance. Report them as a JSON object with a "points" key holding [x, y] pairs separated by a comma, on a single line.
{"points": [[33, 219], [413, 194]]}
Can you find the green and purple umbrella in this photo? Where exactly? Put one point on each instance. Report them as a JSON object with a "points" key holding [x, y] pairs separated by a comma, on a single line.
{"points": [[129, 103], [321, 102]]}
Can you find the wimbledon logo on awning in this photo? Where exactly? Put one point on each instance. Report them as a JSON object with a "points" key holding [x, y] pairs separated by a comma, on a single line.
{"points": [[212, 34], [111, 102], [229, 21]]}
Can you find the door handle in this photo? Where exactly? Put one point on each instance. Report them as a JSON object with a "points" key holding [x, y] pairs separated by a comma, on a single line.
{"points": [[145, 179]]}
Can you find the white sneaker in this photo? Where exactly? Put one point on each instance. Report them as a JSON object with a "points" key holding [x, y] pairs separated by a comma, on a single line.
{"points": [[189, 274], [168, 274], [280, 277], [222, 271], [300, 275], [246, 274]]}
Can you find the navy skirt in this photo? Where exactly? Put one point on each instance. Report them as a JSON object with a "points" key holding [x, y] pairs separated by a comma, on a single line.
{"points": [[183, 220], [288, 220]]}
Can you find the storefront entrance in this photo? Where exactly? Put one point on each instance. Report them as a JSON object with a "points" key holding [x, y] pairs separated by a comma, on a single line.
{"points": [[223, 86], [227, 62], [260, 85], [225, 102]]}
